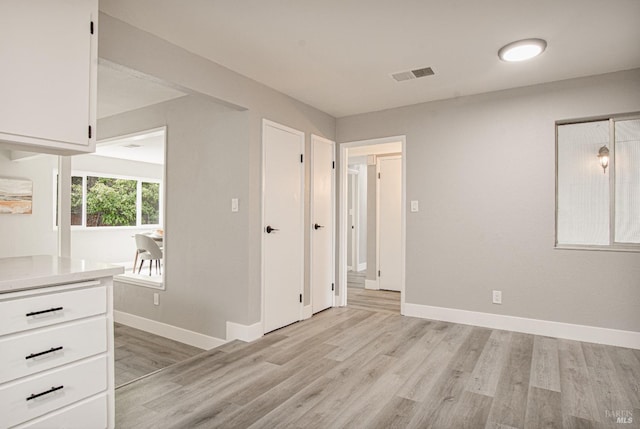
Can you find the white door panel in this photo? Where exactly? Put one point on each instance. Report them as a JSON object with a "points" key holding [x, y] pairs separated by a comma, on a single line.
{"points": [[390, 223], [322, 223], [283, 251]]}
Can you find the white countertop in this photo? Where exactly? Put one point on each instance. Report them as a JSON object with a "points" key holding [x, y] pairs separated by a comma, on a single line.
{"points": [[27, 272]]}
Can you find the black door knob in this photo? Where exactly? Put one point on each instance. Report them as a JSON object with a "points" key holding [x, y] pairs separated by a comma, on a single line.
{"points": [[316, 226], [270, 230]]}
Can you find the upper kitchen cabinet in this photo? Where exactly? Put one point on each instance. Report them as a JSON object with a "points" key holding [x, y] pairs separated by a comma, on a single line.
{"points": [[48, 74]]}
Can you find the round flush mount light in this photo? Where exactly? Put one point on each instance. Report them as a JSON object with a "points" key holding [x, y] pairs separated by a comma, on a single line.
{"points": [[522, 50]]}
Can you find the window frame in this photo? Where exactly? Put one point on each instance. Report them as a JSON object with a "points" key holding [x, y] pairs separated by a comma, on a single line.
{"points": [[613, 246], [139, 180]]}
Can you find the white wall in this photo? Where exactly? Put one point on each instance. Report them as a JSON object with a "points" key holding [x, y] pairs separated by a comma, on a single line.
{"points": [[483, 170], [30, 234]]}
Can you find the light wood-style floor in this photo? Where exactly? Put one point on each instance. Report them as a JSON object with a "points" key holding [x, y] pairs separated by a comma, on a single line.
{"points": [[356, 279], [385, 301], [365, 368], [138, 353]]}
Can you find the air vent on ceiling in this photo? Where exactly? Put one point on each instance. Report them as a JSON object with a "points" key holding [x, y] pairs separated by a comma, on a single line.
{"points": [[132, 146], [413, 74]]}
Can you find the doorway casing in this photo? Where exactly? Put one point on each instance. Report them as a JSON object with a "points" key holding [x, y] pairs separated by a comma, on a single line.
{"points": [[341, 296]]}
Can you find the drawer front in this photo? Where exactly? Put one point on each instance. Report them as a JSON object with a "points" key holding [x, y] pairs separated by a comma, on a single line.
{"points": [[44, 310], [35, 396], [31, 352], [90, 414]]}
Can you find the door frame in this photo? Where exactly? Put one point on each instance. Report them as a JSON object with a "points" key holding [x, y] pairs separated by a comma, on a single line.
{"points": [[301, 134], [317, 138], [341, 298], [355, 202]]}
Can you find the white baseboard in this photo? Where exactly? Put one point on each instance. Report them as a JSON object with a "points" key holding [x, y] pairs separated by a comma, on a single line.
{"points": [[589, 334], [307, 312], [175, 333], [371, 284], [362, 266], [247, 333]]}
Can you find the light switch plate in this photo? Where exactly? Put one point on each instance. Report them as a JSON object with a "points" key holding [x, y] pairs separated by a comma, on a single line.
{"points": [[234, 204], [414, 206]]}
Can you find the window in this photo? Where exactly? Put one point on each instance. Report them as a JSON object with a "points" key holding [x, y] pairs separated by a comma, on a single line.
{"points": [[77, 207], [107, 201], [150, 207], [598, 197]]}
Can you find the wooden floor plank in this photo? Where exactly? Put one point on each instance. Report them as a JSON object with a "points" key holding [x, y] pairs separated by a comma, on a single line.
{"points": [[418, 386], [138, 353], [486, 374], [577, 396], [472, 411], [627, 368], [545, 364], [395, 414], [376, 300], [510, 401], [610, 396], [438, 407], [543, 409]]}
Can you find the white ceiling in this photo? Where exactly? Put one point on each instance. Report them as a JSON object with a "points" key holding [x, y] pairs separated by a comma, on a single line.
{"points": [[143, 147], [337, 55], [120, 91]]}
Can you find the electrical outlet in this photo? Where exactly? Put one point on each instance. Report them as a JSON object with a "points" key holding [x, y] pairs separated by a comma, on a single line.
{"points": [[156, 299], [497, 297]]}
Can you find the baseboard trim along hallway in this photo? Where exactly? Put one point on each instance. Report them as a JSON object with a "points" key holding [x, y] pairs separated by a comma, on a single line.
{"points": [[175, 333], [246, 333], [584, 333]]}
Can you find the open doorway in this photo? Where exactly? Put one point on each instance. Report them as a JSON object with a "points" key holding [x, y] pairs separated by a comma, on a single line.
{"points": [[119, 197], [372, 223]]}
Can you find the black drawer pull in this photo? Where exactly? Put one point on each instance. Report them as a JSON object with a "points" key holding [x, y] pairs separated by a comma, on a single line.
{"points": [[35, 313], [37, 395], [51, 350]]}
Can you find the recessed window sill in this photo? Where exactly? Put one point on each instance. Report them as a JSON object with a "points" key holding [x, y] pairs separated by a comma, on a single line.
{"points": [[598, 248], [139, 280]]}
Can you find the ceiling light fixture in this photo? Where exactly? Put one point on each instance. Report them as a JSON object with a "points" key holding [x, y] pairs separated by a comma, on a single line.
{"points": [[522, 50]]}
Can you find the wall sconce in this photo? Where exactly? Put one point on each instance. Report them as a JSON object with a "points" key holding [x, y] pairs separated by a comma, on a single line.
{"points": [[603, 157]]}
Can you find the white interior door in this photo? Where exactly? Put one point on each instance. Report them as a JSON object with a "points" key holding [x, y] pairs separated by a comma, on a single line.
{"points": [[390, 223], [283, 211], [322, 223]]}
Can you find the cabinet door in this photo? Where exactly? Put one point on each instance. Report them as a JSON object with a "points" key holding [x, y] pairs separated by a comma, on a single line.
{"points": [[48, 73]]}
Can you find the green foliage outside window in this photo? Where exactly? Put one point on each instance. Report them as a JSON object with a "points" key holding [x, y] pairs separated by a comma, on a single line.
{"points": [[111, 202], [76, 200], [150, 203]]}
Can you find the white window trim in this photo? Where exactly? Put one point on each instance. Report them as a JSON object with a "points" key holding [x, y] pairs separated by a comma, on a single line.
{"points": [[139, 179]]}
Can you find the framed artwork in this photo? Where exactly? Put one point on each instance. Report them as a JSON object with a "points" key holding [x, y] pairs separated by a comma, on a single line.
{"points": [[15, 196]]}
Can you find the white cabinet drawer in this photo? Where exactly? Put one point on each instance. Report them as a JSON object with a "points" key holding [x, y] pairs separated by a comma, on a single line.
{"points": [[28, 353], [35, 396], [44, 310], [91, 414]]}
